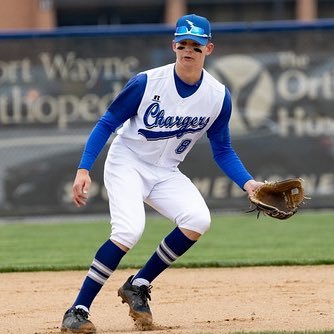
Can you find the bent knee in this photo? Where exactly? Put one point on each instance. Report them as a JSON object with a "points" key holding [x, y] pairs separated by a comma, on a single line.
{"points": [[196, 221], [126, 236]]}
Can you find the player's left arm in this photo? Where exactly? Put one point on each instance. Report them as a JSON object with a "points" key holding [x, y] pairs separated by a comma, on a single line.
{"points": [[223, 152]]}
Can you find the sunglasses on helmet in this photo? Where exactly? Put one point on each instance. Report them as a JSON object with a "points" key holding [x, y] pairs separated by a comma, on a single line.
{"points": [[196, 31]]}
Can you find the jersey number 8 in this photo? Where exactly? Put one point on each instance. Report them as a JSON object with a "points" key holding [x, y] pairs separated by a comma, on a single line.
{"points": [[183, 146]]}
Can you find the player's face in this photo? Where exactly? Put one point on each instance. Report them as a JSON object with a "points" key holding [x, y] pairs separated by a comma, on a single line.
{"points": [[190, 53]]}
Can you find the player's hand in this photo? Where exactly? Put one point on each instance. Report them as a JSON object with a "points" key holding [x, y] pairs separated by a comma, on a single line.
{"points": [[80, 187], [251, 185]]}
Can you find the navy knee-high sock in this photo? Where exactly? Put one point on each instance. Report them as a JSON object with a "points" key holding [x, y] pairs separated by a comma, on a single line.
{"points": [[170, 248], [105, 262]]}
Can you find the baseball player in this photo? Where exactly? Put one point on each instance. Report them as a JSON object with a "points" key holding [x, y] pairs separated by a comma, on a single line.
{"points": [[159, 114]]}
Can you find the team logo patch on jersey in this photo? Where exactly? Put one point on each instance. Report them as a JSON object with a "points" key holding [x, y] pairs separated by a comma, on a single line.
{"points": [[154, 118]]}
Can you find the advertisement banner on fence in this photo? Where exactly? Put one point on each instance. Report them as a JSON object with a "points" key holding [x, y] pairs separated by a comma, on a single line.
{"points": [[53, 90]]}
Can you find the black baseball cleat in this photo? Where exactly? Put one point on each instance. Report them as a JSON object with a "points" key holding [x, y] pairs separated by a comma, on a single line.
{"points": [[76, 321], [136, 297]]}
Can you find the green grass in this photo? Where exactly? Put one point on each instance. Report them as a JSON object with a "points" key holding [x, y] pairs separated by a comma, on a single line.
{"points": [[233, 240]]}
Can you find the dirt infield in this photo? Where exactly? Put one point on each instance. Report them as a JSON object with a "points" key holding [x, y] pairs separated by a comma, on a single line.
{"points": [[183, 300]]}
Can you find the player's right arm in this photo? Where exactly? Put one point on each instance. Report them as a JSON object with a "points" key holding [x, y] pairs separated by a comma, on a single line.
{"points": [[80, 187], [121, 109]]}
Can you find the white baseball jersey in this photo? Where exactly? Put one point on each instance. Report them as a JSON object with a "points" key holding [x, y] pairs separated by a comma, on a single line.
{"points": [[166, 125], [163, 117]]}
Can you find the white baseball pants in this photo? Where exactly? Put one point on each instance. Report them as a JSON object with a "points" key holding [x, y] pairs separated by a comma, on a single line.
{"points": [[130, 182]]}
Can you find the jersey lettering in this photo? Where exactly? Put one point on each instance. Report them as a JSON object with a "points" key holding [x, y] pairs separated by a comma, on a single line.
{"points": [[154, 117]]}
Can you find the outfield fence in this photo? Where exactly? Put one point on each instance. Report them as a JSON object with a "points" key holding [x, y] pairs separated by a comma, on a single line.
{"points": [[54, 86]]}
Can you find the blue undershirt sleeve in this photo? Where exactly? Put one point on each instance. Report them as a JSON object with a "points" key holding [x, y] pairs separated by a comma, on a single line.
{"points": [[220, 141], [121, 109]]}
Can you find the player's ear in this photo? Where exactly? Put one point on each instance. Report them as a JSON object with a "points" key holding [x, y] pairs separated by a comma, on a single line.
{"points": [[174, 46], [209, 48]]}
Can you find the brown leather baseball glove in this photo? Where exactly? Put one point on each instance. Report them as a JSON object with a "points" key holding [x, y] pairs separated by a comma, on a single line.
{"points": [[280, 199]]}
